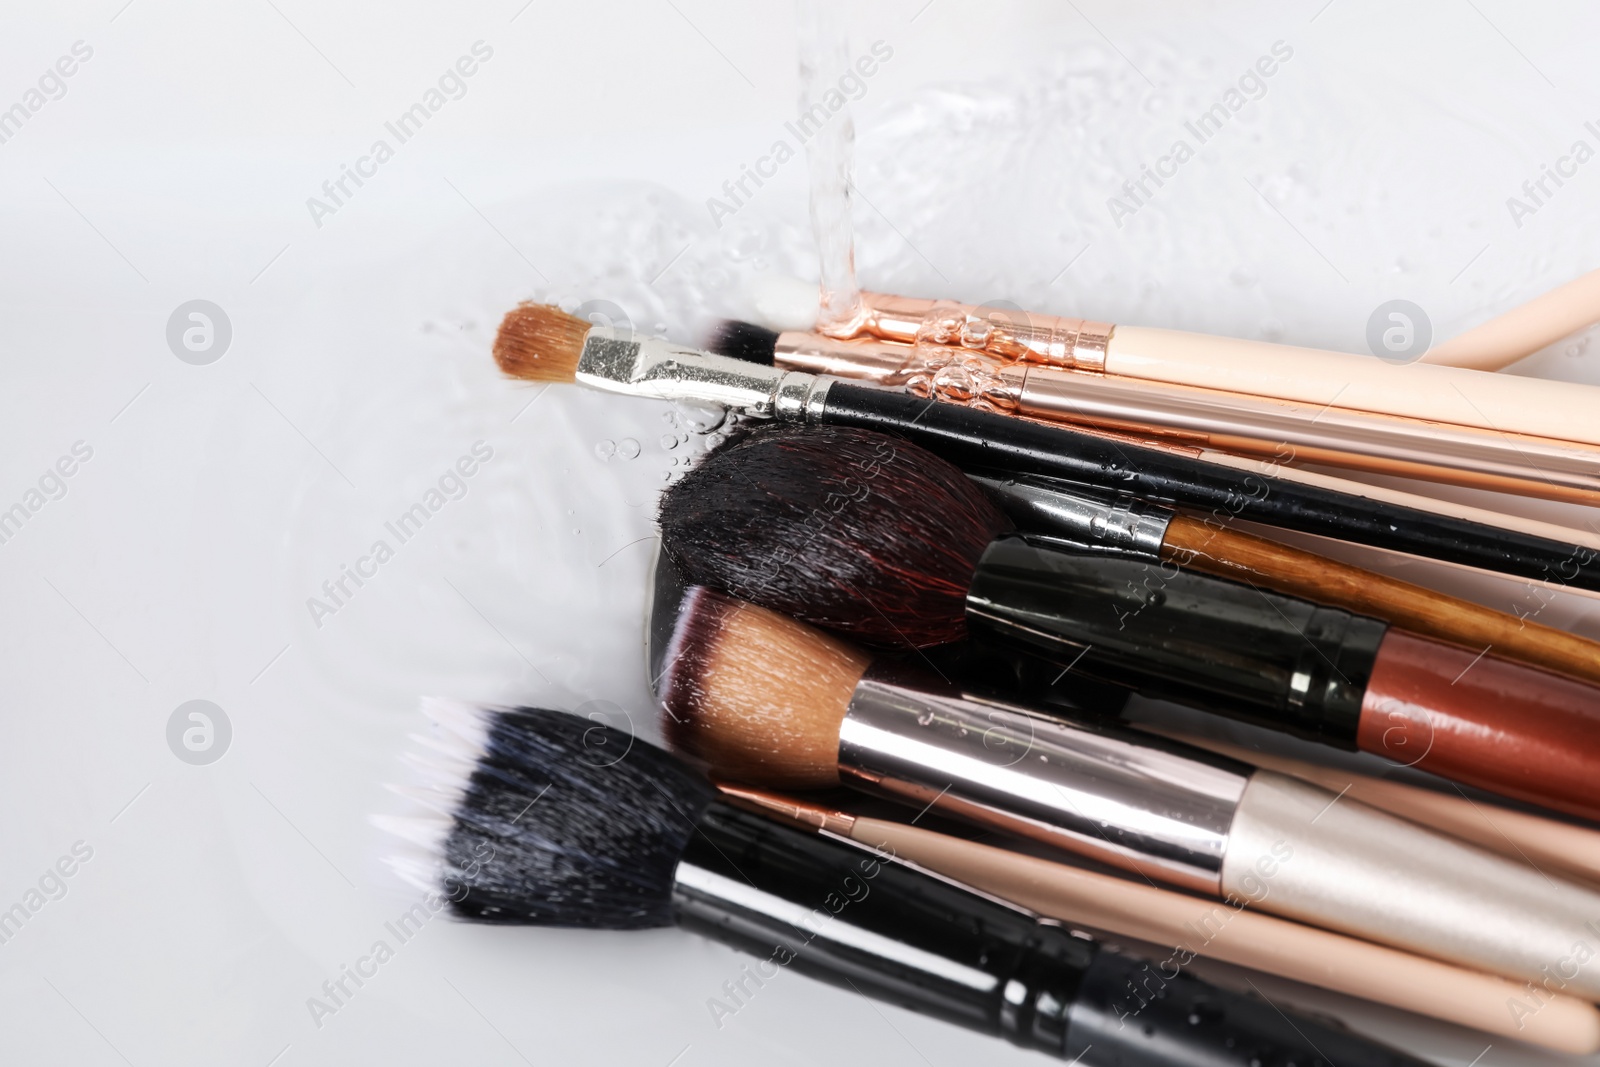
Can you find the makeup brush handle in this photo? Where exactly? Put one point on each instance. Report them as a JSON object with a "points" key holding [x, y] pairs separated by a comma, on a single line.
{"points": [[985, 440], [1301, 852], [1514, 730], [1507, 403], [1172, 633], [1227, 553], [854, 918], [1245, 936], [1545, 843]]}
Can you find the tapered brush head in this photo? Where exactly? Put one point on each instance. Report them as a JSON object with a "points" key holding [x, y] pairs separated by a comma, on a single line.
{"points": [[539, 343], [553, 820], [744, 341], [756, 695], [849, 529]]}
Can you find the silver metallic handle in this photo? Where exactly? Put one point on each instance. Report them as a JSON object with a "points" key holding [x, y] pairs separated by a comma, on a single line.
{"points": [[1303, 853], [1098, 791]]}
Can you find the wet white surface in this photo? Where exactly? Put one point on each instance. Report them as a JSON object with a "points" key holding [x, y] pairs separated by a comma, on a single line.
{"points": [[186, 558]]}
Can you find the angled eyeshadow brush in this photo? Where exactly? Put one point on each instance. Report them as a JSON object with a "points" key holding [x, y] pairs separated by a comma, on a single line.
{"points": [[643, 841], [537, 343]]}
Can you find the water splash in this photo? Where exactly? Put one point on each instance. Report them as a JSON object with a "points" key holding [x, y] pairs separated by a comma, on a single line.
{"points": [[824, 58]]}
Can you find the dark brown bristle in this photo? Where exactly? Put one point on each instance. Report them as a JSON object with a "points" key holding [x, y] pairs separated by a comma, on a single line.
{"points": [[849, 529], [539, 343], [756, 695]]}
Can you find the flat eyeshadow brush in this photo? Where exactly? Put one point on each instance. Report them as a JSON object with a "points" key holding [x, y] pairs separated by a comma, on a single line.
{"points": [[538, 343], [765, 700], [870, 536], [1204, 418], [1233, 932], [1132, 529], [542, 825]]}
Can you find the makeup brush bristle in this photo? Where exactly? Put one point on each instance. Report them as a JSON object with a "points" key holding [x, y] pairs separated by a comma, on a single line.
{"points": [[849, 529], [539, 343], [756, 695], [744, 341], [560, 822]]}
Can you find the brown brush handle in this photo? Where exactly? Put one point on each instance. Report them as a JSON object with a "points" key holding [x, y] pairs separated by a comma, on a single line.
{"points": [[1217, 550]]}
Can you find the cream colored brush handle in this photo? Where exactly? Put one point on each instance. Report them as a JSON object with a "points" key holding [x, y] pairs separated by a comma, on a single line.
{"points": [[1524, 330], [1245, 936], [1305, 853], [1547, 844], [1560, 410]]}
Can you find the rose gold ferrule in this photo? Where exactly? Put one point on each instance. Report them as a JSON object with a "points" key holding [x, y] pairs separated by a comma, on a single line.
{"points": [[805, 815], [880, 362], [1008, 334]]}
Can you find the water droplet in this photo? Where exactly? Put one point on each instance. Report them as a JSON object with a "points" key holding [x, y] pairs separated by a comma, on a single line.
{"points": [[605, 450], [628, 448], [714, 440], [669, 441]]}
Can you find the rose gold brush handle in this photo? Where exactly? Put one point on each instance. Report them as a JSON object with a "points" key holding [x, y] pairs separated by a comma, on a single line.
{"points": [[1434, 392]]}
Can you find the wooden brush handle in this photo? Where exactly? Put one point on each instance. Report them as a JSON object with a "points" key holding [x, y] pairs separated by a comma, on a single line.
{"points": [[1217, 550]]}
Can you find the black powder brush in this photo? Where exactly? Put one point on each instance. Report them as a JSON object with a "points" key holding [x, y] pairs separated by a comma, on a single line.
{"points": [[546, 825]]}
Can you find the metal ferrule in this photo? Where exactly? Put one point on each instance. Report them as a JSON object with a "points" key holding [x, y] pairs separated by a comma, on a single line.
{"points": [[881, 362], [1098, 522], [1161, 809], [1010, 334], [618, 361]]}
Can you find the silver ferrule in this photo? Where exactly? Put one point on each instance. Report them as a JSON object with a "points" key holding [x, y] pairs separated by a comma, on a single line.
{"points": [[1119, 524], [1161, 809], [619, 361]]}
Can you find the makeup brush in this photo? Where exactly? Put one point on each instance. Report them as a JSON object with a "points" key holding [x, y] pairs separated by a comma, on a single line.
{"points": [[871, 537], [1131, 529], [1499, 403], [766, 700], [544, 824], [539, 343], [1234, 933], [1203, 418], [1547, 844]]}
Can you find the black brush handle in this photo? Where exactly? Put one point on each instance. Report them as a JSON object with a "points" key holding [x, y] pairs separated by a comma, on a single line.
{"points": [[1234, 649], [980, 439], [843, 914]]}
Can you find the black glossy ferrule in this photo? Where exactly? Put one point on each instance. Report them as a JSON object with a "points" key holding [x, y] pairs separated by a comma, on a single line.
{"points": [[857, 919], [982, 440], [1212, 643]]}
